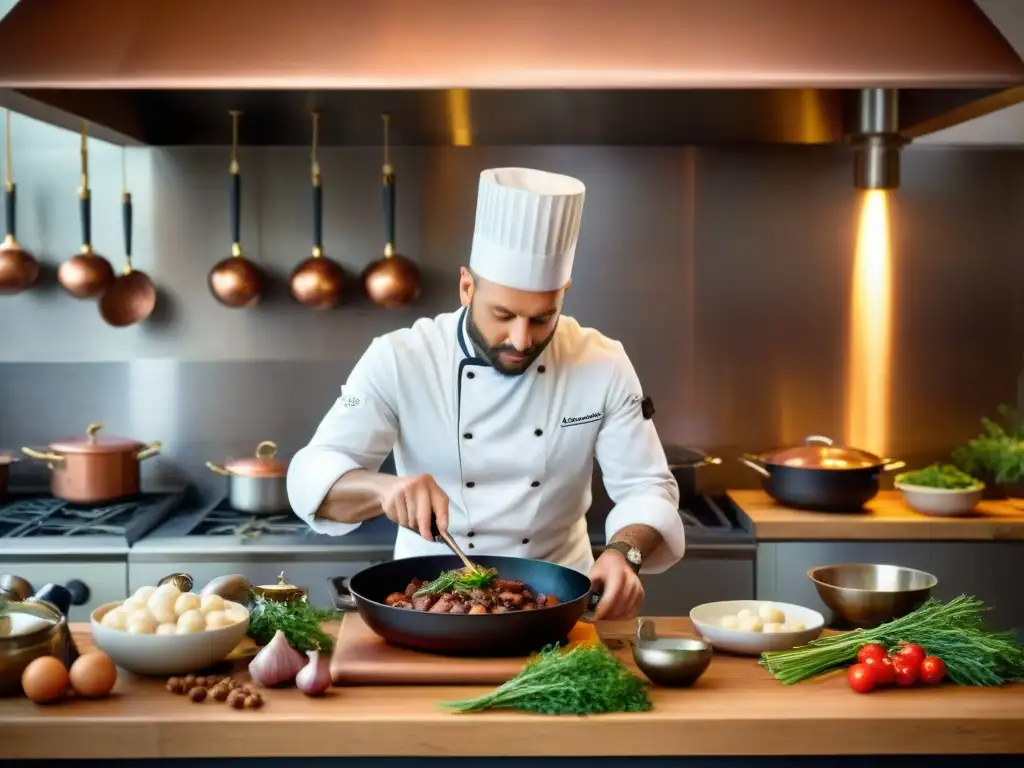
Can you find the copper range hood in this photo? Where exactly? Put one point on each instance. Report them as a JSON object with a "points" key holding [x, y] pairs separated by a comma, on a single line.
{"points": [[647, 72]]}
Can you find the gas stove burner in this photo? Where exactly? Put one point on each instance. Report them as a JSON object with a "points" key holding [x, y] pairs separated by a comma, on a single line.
{"points": [[222, 520], [42, 515]]}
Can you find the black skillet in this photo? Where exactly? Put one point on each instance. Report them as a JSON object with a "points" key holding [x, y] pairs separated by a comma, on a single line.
{"points": [[517, 633]]}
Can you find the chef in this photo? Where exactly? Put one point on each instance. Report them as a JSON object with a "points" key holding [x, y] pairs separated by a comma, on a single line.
{"points": [[496, 412]]}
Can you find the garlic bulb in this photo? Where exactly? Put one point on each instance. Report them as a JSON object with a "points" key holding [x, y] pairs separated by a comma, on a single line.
{"points": [[314, 678], [277, 663]]}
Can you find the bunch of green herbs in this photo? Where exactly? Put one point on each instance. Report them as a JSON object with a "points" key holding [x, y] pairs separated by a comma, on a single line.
{"points": [[462, 580], [944, 476], [300, 621], [582, 679], [953, 631], [997, 454]]}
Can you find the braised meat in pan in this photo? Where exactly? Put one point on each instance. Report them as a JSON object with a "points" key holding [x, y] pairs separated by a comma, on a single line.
{"points": [[494, 596]]}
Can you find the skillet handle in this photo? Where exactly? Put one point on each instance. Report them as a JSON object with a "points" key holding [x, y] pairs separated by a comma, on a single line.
{"points": [[589, 615], [340, 596]]}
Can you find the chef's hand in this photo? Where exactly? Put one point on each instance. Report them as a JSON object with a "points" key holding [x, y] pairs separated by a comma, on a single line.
{"points": [[622, 594], [413, 502]]}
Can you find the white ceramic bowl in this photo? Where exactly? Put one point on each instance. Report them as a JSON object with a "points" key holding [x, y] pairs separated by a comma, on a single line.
{"points": [[706, 620], [941, 502], [165, 654]]}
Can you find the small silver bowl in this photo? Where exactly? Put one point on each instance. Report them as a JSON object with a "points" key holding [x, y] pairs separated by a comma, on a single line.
{"points": [[672, 662], [866, 595]]}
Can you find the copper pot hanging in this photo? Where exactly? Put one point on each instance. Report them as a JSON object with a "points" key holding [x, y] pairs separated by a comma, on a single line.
{"points": [[236, 282], [94, 468], [132, 297], [393, 281], [318, 282], [18, 268], [86, 275]]}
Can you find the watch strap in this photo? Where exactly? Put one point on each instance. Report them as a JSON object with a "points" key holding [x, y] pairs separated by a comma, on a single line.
{"points": [[630, 553]]}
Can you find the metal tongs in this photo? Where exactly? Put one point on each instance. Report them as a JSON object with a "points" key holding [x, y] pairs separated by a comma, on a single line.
{"points": [[443, 536]]}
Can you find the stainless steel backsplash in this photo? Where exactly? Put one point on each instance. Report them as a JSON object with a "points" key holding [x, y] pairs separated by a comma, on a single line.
{"points": [[725, 272]]}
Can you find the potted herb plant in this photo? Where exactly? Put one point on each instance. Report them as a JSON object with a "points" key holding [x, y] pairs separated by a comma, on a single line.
{"points": [[997, 454]]}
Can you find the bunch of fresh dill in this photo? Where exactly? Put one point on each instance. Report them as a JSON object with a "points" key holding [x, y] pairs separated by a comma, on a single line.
{"points": [[299, 620], [953, 631], [458, 581], [583, 679]]}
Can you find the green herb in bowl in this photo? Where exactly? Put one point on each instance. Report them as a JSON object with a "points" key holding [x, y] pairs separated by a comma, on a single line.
{"points": [[939, 476]]}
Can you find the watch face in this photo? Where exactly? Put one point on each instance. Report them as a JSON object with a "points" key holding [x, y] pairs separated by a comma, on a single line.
{"points": [[633, 556]]}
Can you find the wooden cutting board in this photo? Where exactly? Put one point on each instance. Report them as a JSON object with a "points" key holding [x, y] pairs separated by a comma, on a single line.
{"points": [[362, 657]]}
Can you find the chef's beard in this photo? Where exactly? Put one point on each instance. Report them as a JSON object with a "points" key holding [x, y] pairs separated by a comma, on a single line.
{"points": [[493, 354]]}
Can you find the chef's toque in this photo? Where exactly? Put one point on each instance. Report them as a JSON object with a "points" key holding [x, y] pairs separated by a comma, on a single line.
{"points": [[527, 225]]}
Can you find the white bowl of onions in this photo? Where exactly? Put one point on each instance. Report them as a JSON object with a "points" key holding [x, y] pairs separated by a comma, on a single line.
{"points": [[163, 631]]}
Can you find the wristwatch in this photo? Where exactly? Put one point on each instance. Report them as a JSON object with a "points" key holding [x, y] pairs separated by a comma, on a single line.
{"points": [[632, 554]]}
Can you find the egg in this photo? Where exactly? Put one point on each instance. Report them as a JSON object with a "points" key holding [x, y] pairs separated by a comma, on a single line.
{"points": [[728, 622], [749, 623], [211, 603], [217, 620], [116, 619], [144, 593], [772, 626], [162, 605], [793, 626], [167, 629], [187, 601], [744, 614], [141, 623], [191, 621], [44, 680], [770, 614], [93, 675]]}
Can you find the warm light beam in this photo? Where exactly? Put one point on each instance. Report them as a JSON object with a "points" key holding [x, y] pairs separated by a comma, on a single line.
{"points": [[870, 344]]}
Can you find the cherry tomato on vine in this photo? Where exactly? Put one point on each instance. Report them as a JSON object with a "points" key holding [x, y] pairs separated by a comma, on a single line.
{"points": [[885, 673], [861, 678], [871, 651], [912, 654], [906, 672], [933, 669]]}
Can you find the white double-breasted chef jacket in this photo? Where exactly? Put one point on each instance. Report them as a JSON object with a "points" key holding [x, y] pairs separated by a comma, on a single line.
{"points": [[514, 454]]}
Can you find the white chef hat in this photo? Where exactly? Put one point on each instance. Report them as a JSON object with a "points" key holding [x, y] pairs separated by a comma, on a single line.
{"points": [[527, 225]]}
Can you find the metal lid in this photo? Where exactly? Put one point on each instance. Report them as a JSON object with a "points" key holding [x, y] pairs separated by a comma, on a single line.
{"points": [[93, 442], [819, 452], [262, 464]]}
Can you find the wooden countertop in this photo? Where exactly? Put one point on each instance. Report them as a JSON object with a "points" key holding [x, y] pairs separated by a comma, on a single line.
{"points": [[736, 708], [886, 518]]}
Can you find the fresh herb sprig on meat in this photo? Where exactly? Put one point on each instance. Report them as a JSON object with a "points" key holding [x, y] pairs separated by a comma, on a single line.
{"points": [[299, 620], [953, 631], [582, 679], [462, 580]]}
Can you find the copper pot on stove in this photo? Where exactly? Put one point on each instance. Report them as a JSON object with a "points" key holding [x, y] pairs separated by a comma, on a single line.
{"points": [[256, 484], [94, 468]]}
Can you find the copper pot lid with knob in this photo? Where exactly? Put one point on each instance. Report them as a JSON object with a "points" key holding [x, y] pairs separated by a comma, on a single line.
{"points": [[93, 442], [282, 592], [819, 452], [263, 463]]}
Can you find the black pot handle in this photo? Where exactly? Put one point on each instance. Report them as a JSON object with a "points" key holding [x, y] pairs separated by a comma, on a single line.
{"points": [[10, 205], [388, 196], [85, 212], [340, 594], [318, 218]]}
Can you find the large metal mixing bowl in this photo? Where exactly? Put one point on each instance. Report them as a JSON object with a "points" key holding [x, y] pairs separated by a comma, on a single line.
{"points": [[866, 595]]}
